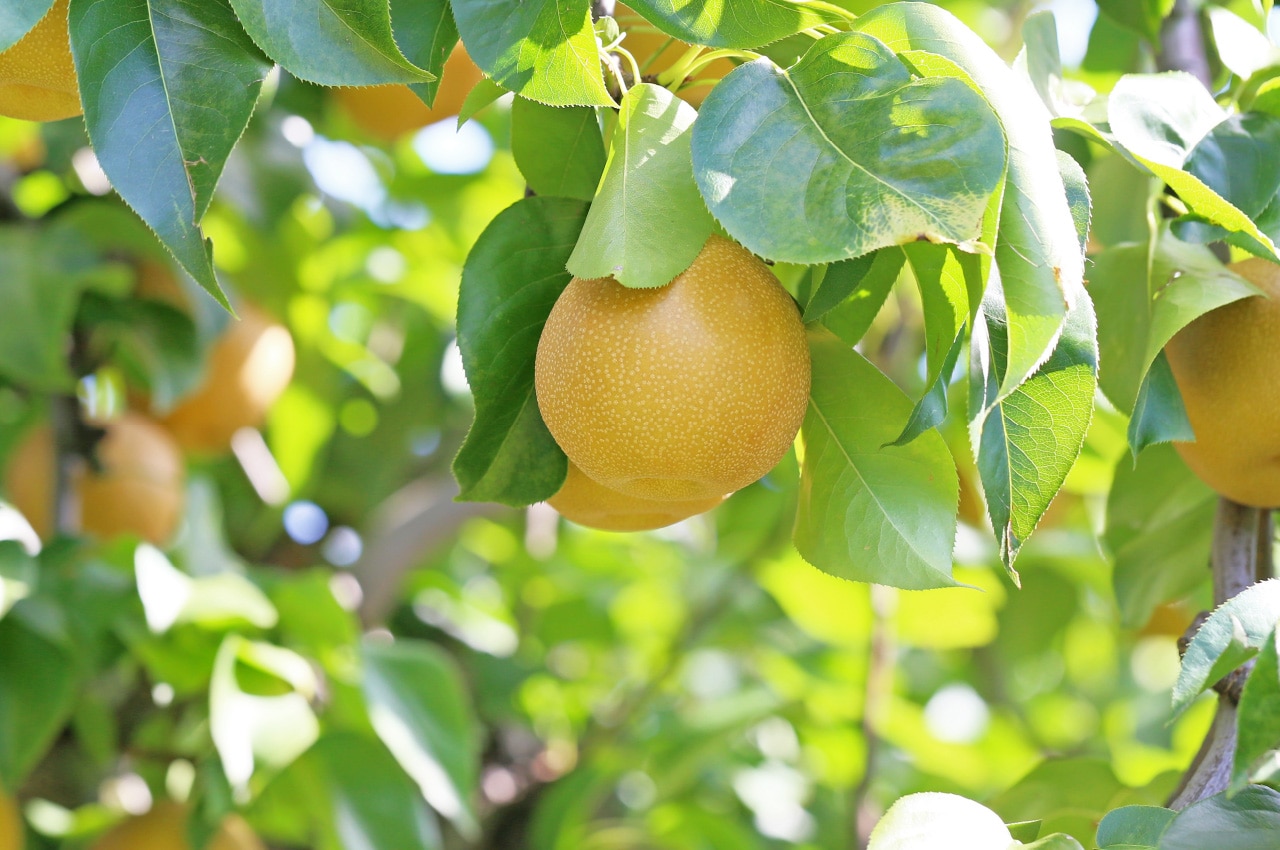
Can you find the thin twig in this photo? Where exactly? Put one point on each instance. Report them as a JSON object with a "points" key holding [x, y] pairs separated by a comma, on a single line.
{"points": [[879, 685]]}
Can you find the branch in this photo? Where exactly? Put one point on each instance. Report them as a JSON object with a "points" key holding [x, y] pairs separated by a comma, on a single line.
{"points": [[602, 9], [1182, 43], [1241, 551], [878, 687]]}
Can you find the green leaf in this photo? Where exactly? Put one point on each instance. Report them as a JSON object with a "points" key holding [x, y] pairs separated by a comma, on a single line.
{"points": [[1069, 794], [647, 190], [939, 820], [844, 153], [1159, 530], [1037, 254], [1258, 721], [511, 280], [717, 23], [249, 729], [37, 694], [1027, 830], [931, 409], [1215, 651], [857, 296], [1249, 820], [479, 98], [544, 50], [149, 72], [559, 150], [1028, 441], [1077, 186], [42, 274], [869, 512], [426, 34], [1145, 298], [336, 43], [1133, 828], [943, 276], [1242, 47], [421, 711], [1159, 416], [1158, 119], [1141, 16], [155, 343], [356, 795], [17, 17]]}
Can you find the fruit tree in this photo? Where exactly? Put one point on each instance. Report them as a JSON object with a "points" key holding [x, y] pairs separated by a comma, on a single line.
{"points": [[680, 424]]}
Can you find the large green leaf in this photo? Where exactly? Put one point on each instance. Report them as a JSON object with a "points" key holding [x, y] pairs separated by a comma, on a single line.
{"points": [[647, 222], [1158, 119], [1258, 721], [1249, 820], [17, 17], [1234, 632], [1028, 441], [37, 694], [420, 709], [845, 152], [559, 150], [426, 34], [544, 50], [733, 23], [512, 278], [168, 87], [871, 512], [1133, 828], [1037, 252], [1144, 298], [1159, 529], [335, 43]]}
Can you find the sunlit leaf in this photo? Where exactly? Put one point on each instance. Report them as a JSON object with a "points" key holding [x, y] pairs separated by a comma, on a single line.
{"points": [[719, 24], [937, 820], [647, 190], [871, 512], [1250, 616], [544, 50], [844, 153]]}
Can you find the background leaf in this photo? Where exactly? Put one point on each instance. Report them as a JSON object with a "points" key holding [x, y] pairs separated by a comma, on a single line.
{"points": [[647, 189], [544, 50], [844, 153], [1248, 821], [37, 693], [511, 280], [869, 512], [421, 711], [1159, 529]]}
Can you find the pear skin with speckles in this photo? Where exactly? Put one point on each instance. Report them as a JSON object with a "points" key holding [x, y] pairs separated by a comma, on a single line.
{"points": [[685, 392], [37, 75], [1224, 363], [594, 505]]}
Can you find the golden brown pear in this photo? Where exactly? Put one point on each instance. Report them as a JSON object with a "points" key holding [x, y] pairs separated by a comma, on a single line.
{"points": [[644, 41], [594, 505], [685, 392], [165, 828], [140, 489], [11, 837], [249, 367], [389, 112], [1224, 363], [37, 75]]}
